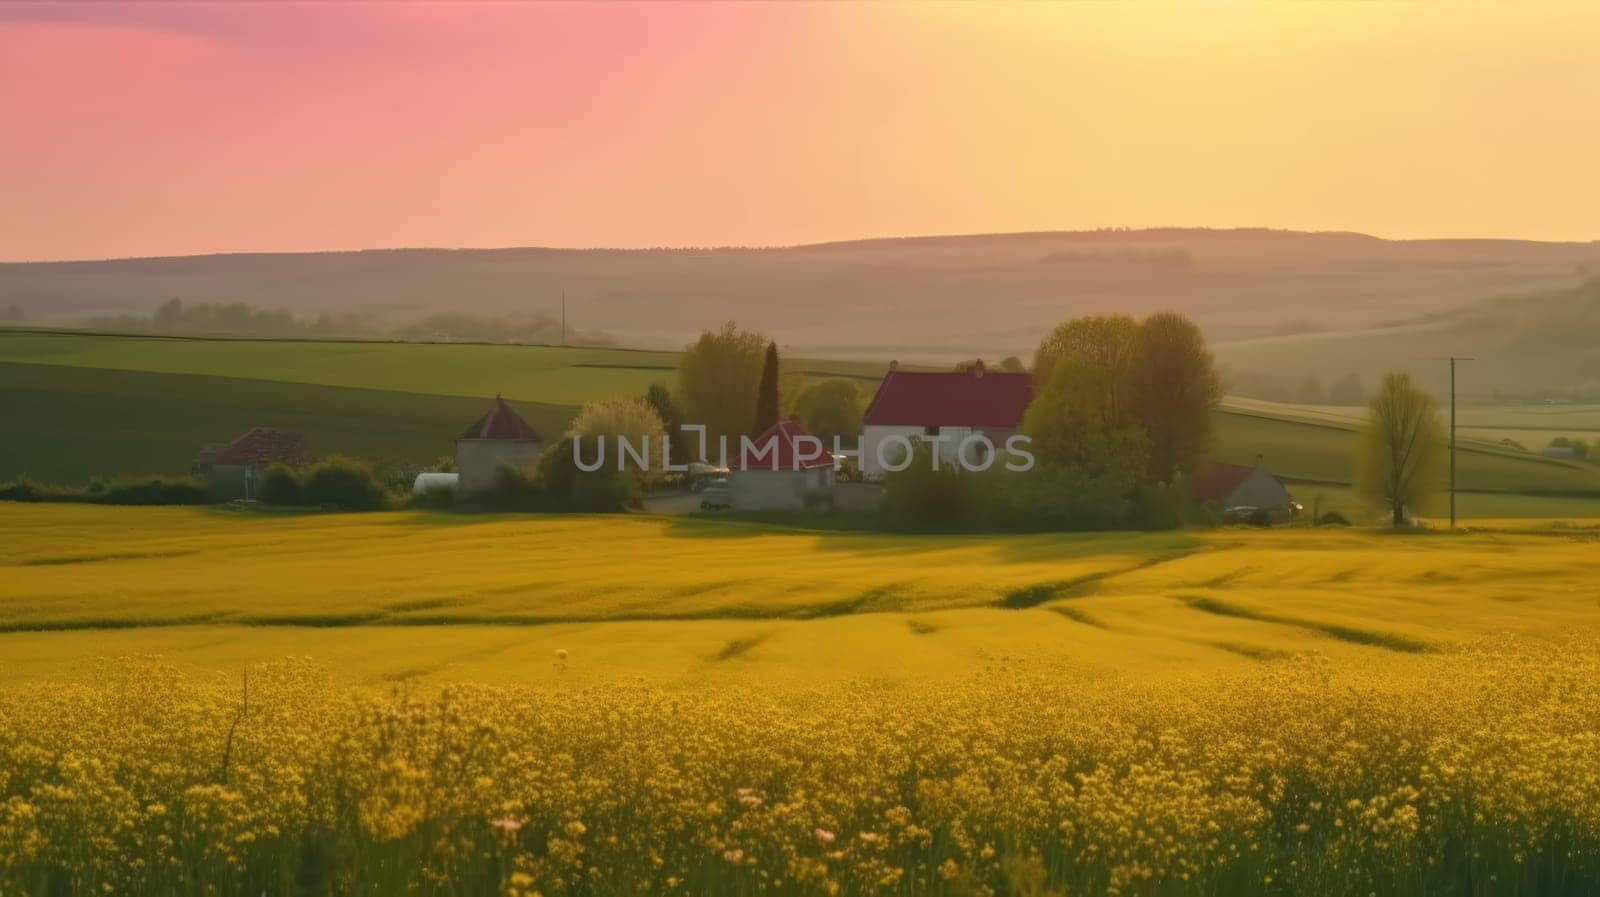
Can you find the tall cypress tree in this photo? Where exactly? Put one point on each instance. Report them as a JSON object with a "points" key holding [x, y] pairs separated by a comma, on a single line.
{"points": [[767, 397]]}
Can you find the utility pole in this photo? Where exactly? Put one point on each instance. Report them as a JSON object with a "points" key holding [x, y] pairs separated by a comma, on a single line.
{"points": [[563, 317], [1453, 360]]}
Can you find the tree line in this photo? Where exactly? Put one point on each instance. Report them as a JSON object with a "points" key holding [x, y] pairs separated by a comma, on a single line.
{"points": [[242, 319]]}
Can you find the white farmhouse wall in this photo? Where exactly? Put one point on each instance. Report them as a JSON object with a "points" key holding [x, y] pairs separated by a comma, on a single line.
{"points": [[873, 443], [875, 435], [781, 490], [479, 461]]}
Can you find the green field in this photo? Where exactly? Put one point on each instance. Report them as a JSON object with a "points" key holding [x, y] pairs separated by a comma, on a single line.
{"points": [[66, 424], [1310, 446], [1532, 425], [547, 374], [74, 406]]}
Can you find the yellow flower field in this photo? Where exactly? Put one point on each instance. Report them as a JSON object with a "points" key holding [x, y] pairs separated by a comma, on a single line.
{"points": [[200, 702]]}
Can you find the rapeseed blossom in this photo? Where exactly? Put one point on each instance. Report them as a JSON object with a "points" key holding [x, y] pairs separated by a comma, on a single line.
{"points": [[1293, 777]]}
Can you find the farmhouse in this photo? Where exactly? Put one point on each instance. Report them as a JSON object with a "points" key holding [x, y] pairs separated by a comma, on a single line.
{"points": [[948, 406], [1239, 486], [234, 469], [784, 469], [500, 439]]}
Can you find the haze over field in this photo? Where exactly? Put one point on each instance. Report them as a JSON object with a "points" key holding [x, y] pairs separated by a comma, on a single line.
{"points": [[1279, 304]]}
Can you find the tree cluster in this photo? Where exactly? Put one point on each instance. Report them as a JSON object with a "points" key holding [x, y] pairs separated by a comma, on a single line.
{"points": [[1121, 410], [734, 383], [1115, 395]]}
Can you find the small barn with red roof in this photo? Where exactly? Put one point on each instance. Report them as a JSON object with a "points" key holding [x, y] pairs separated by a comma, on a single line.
{"points": [[1241, 486], [783, 469], [498, 440], [234, 469], [953, 407]]}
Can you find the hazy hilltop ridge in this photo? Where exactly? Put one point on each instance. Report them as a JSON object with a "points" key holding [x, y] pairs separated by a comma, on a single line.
{"points": [[922, 297]]}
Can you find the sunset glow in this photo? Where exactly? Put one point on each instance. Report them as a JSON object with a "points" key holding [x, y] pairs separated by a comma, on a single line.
{"points": [[148, 129]]}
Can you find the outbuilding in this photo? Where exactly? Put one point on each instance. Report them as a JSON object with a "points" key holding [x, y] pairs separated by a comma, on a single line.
{"points": [[499, 440], [783, 469], [1241, 486], [234, 469]]}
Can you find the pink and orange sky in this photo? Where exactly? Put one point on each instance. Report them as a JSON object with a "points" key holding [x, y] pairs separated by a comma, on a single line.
{"points": [[165, 129]]}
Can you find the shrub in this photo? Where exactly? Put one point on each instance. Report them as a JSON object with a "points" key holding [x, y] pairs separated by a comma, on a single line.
{"points": [[602, 491], [434, 498], [946, 499], [1055, 497], [133, 489], [344, 483], [515, 490], [25, 488], [563, 487], [1260, 517], [153, 490], [1332, 518], [280, 485], [1048, 498], [1157, 506], [628, 417]]}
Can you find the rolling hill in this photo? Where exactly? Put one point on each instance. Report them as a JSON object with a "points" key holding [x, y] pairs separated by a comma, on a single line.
{"points": [[935, 298], [1543, 344]]}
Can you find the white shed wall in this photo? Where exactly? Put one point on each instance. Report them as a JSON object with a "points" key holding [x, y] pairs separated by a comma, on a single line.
{"points": [[479, 461], [781, 490]]}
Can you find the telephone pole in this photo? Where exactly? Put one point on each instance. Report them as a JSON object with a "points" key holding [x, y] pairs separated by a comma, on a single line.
{"points": [[563, 317], [1453, 360]]}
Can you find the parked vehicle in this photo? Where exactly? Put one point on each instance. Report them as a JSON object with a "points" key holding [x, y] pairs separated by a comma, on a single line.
{"points": [[701, 475], [715, 495]]}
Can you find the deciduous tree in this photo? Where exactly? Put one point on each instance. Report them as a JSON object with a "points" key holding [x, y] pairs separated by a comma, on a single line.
{"points": [[660, 398], [718, 377], [1175, 390], [1074, 422], [1403, 445], [1108, 341], [831, 408], [630, 418]]}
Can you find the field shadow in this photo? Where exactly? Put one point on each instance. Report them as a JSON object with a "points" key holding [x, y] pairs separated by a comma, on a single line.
{"points": [[1078, 615], [1354, 635], [739, 647], [1035, 594], [1245, 649], [68, 559]]}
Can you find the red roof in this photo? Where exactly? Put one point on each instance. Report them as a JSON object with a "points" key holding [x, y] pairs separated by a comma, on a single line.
{"points": [[954, 399], [500, 423], [783, 435], [1218, 481], [265, 445]]}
